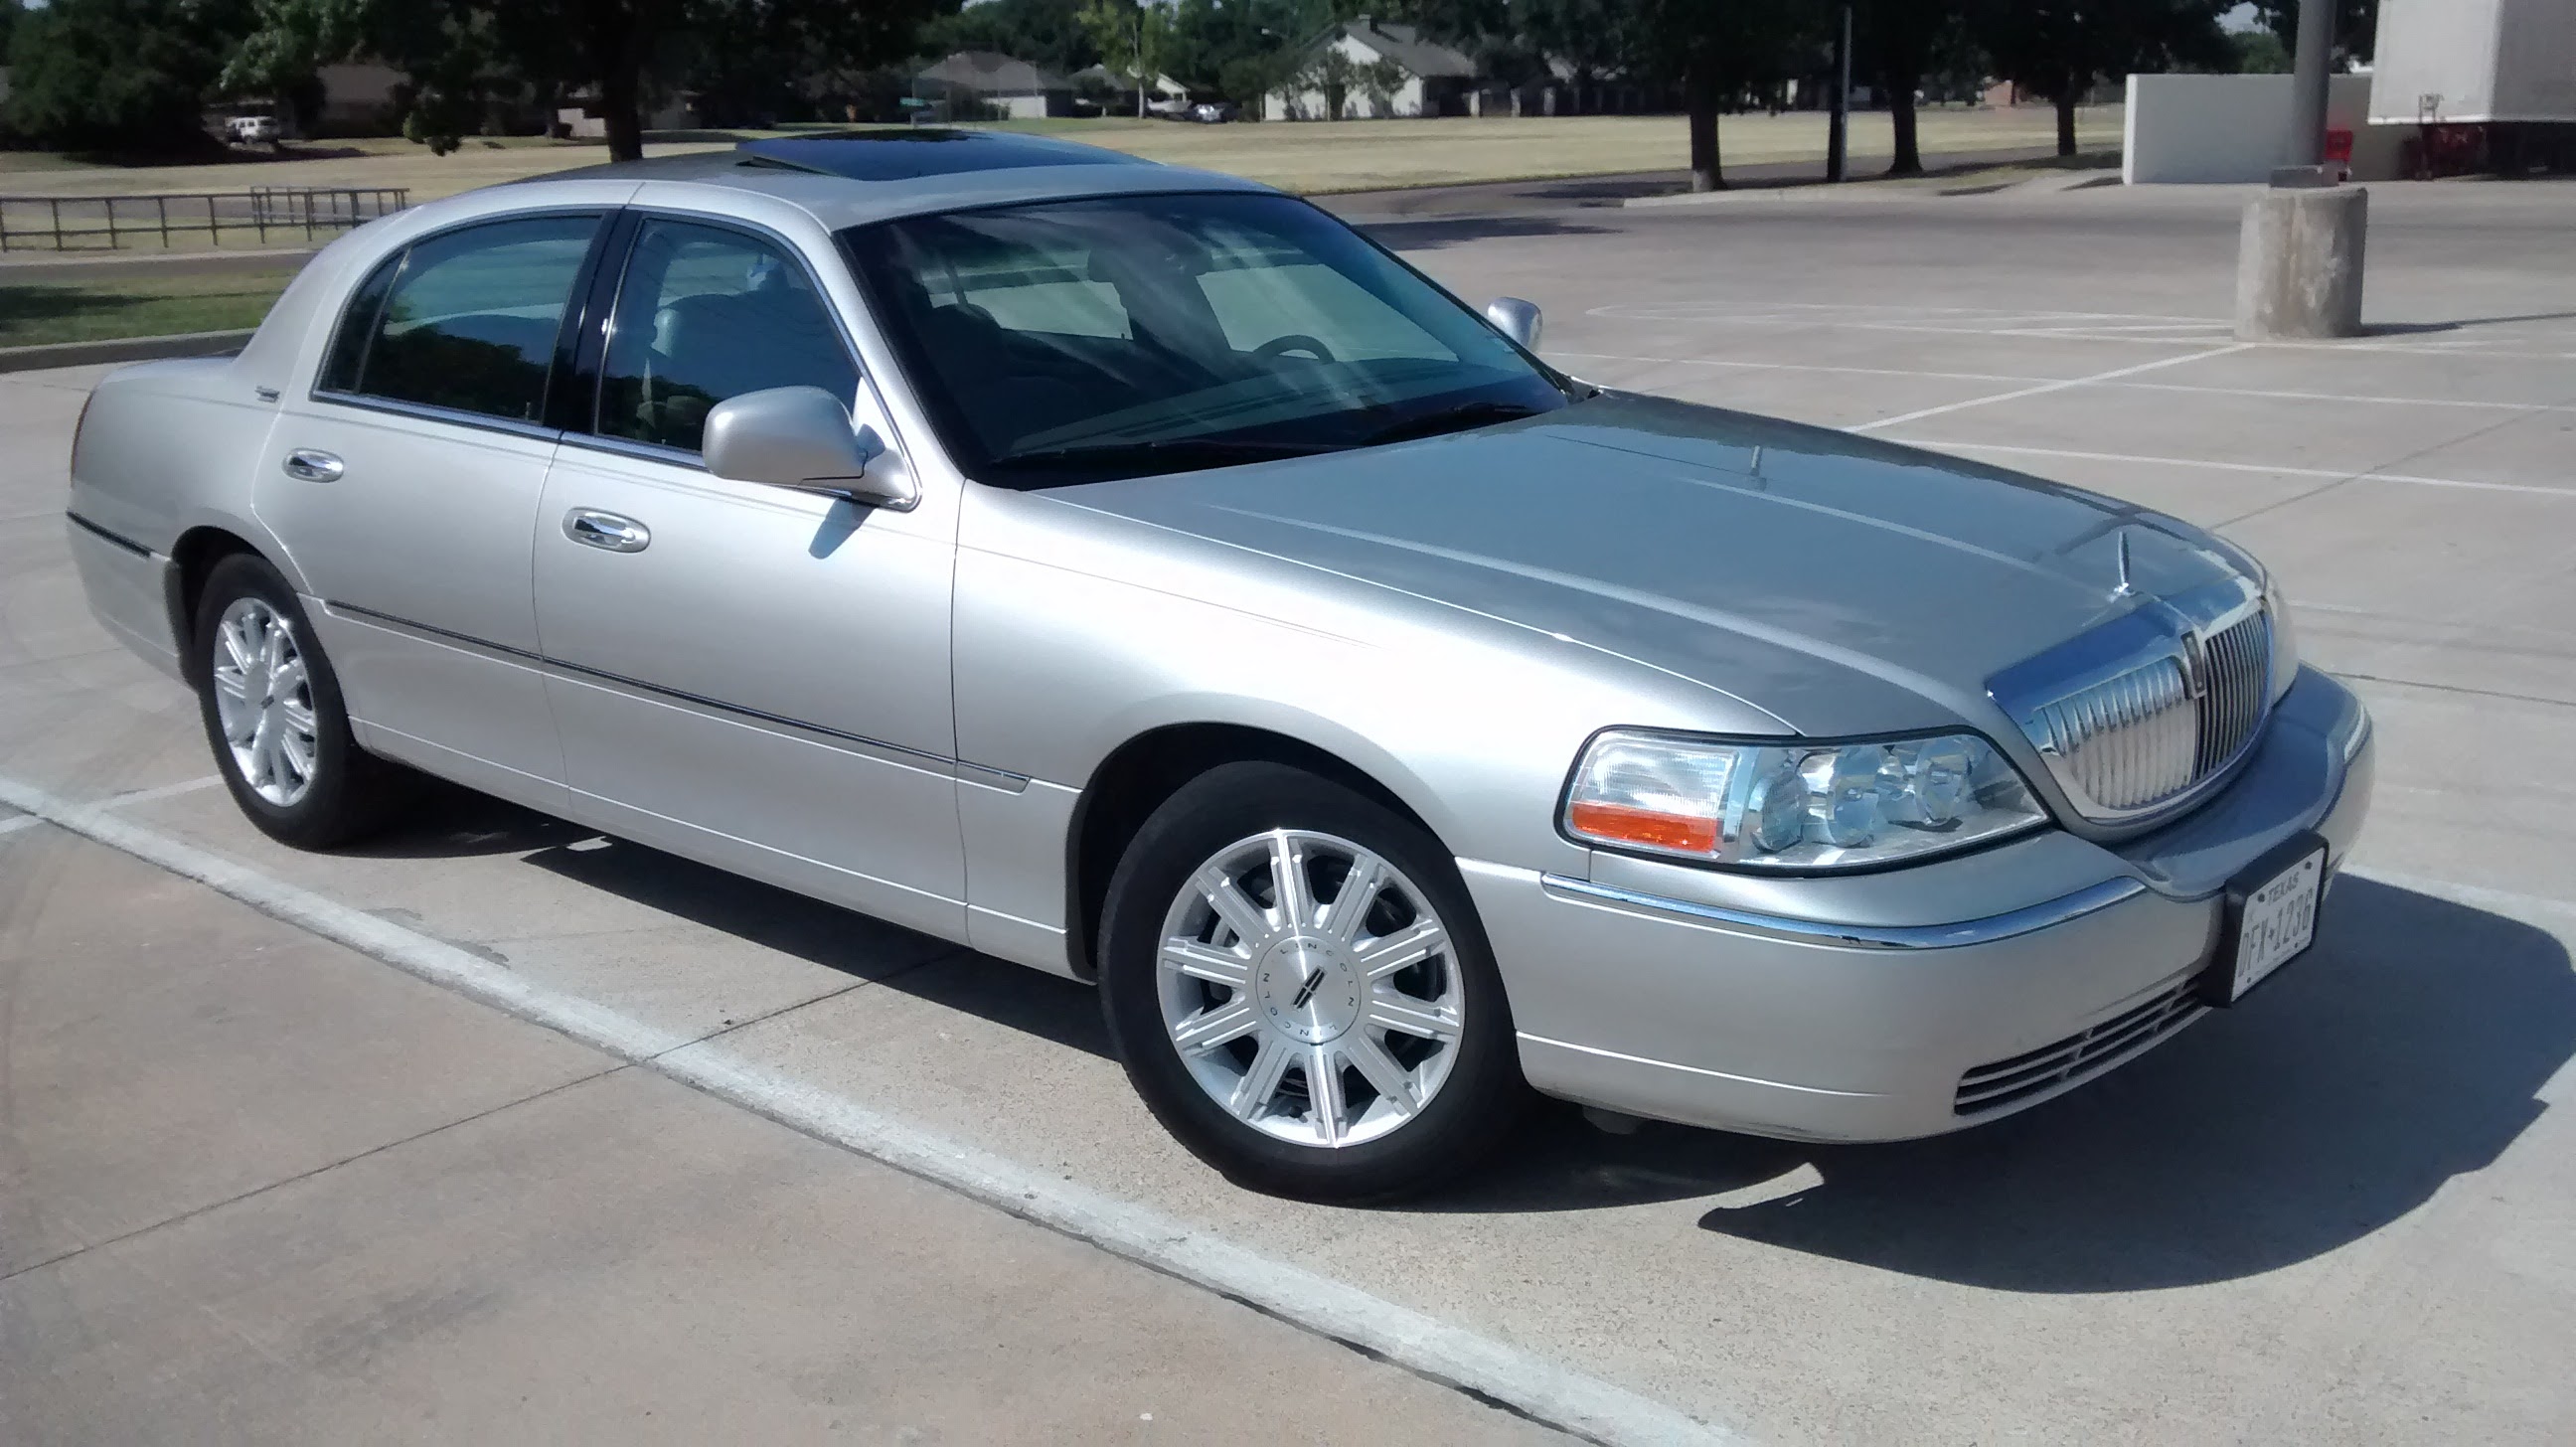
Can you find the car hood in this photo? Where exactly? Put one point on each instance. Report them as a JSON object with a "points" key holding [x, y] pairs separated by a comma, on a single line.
{"points": [[1839, 584]]}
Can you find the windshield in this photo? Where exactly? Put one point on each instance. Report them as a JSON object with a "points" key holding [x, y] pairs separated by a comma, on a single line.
{"points": [[1073, 341]]}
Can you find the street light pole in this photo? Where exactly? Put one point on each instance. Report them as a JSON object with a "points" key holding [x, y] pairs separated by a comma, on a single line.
{"points": [[2299, 255], [2306, 143]]}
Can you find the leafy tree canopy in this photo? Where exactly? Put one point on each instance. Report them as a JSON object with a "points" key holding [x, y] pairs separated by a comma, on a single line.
{"points": [[2356, 27], [125, 76], [458, 52]]}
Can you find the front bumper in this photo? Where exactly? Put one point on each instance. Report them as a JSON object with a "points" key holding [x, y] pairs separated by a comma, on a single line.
{"points": [[1858, 1007]]}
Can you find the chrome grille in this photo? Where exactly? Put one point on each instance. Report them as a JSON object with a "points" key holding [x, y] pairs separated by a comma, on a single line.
{"points": [[2240, 668], [2136, 714], [2128, 741], [2085, 1053]]}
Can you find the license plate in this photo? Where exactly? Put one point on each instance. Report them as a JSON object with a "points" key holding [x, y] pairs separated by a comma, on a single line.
{"points": [[2276, 920]]}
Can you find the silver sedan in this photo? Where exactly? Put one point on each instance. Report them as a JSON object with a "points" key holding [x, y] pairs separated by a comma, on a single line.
{"points": [[1139, 575]]}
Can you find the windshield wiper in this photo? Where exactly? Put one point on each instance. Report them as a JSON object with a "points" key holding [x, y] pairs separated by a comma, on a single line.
{"points": [[1172, 454], [1449, 419]]}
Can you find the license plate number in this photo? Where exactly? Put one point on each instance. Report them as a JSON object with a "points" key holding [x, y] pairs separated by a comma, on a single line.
{"points": [[2279, 919]]}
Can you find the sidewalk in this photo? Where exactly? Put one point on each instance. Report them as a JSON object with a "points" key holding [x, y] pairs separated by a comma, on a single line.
{"points": [[255, 1187]]}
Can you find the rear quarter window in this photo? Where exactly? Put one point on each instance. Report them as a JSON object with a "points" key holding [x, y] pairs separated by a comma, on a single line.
{"points": [[465, 320]]}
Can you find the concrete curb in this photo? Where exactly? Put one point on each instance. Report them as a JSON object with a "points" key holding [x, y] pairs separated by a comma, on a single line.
{"points": [[120, 349]]}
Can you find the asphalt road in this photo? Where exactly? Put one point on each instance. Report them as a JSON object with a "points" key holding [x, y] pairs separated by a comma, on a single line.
{"points": [[2343, 1212]]}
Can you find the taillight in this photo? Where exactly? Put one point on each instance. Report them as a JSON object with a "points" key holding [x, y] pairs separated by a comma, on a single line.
{"points": [[78, 427]]}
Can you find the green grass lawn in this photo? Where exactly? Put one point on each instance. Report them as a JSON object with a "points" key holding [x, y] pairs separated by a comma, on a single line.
{"points": [[135, 305]]}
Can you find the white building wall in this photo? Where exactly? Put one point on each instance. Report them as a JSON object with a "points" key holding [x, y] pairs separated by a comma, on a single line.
{"points": [[2210, 129], [2475, 60]]}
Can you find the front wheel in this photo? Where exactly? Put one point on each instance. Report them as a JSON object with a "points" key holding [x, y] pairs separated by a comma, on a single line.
{"points": [[1300, 991]]}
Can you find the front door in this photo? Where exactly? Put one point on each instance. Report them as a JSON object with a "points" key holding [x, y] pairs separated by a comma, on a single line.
{"points": [[405, 485], [746, 674]]}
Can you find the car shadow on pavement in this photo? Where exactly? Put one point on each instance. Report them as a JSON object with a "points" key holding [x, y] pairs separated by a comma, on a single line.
{"points": [[450, 821], [1048, 1007], [2405, 1051]]}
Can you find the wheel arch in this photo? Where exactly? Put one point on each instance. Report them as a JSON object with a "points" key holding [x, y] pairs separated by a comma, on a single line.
{"points": [[192, 560], [1135, 778]]}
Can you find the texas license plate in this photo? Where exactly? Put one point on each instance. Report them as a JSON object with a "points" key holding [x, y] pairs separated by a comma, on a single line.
{"points": [[2276, 919]]}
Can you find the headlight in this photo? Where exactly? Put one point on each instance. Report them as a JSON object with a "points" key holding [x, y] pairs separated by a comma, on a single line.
{"points": [[2285, 644], [1795, 806]]}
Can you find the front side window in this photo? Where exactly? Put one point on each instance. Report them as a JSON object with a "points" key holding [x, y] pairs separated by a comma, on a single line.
{"points": [[707, 313], [1072, 341], [465, 320]]}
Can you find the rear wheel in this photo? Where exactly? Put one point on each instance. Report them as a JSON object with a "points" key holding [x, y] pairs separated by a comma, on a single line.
{"points": [[273, 714], [1300, 992]]}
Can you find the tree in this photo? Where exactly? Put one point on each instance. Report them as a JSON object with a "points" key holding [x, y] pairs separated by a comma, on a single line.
{"points": [[1131, 37], [459, 51], [1717, 50], [1239, 48], [118, 75], [1331, 71], [2059, 49], [1897, 41], [1048, 34], [2260, 52], [2356, 28]]}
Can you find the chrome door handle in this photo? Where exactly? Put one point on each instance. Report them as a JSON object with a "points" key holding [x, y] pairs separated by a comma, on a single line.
{"points": [[305, 464], [588, 525]]}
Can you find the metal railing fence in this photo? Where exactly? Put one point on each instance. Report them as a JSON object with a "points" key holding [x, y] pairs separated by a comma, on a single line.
{"points": [[112, 223]]}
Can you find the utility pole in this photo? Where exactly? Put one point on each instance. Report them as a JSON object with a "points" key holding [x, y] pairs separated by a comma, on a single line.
{"points": [[2299, 256], [1838, 139], [2306, 143], [1140, 59]]}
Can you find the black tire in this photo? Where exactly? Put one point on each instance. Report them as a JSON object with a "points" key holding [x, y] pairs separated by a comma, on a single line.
{"points": [[350, 792], [1483, 1095]]}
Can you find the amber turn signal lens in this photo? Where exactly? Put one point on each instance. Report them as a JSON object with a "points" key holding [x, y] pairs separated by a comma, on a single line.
{"points": [[1650, 828]]}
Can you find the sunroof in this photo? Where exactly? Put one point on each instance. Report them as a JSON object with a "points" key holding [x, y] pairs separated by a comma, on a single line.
{"points": [[892, 155]]}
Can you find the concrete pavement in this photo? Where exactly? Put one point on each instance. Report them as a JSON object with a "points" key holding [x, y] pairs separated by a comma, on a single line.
{"points": [[2340, 1213], [256, 1188]]}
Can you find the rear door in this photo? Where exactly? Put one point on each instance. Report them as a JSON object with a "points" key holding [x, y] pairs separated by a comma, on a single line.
{"points": [[746, 674], [405, 487]]}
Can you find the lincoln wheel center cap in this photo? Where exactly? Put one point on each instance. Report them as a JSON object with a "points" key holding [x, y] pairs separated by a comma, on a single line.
{"points": [[1308, 991]]}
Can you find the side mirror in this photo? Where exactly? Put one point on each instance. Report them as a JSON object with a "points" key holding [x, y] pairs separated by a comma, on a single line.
{"points": [[803, 438], [1516, 319]]}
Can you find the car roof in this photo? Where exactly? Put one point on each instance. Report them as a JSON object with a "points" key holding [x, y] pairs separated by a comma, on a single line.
{"points": [[855, 177]]}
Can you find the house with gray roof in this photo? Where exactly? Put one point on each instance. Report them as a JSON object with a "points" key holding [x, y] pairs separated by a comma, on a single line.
{"points": [[1013, 88], [1386, 69]]}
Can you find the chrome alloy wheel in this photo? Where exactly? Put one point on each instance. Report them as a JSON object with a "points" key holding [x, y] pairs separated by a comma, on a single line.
{"points": [[264, 700], [1309, 988]]}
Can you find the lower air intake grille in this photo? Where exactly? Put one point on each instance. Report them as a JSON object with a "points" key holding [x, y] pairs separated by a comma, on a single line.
{"points": [[2089, 1052]]}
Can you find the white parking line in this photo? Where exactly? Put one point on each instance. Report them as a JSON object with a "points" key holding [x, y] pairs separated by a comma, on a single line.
{"points": [[2048, 387], [1543, 1390], [2340, 473], [22, 821]]}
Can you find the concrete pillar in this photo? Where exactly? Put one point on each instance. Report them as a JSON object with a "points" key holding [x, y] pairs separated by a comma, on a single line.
{"points": [[2298, 264]]}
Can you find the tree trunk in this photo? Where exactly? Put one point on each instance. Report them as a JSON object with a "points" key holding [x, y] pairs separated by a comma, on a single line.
{"points": [[617, 61], [2066, 119], [1900, 115], [1706, 173]]}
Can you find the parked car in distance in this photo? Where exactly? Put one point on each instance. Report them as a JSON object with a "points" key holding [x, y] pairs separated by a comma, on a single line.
{"points": [[253, 131], [1214, 112], [1136, 574]]}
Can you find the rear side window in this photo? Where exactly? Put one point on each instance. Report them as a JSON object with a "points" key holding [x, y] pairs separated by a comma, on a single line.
{"points": [[707, 313], [465, 320]]}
